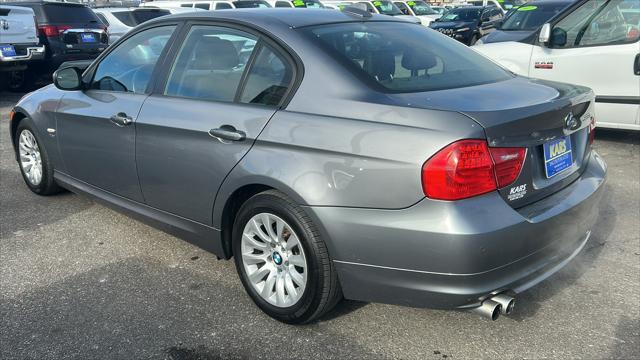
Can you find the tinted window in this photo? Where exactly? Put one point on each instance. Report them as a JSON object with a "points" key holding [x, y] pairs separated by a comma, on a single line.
{"points": [[204, 6], [223, 6], [210, 64], [403, 8], [251, 4], [66, 13], [142, 15], [598, 22], [124, 17], [383, 55], [531, 17], [306, 4], [102, 18], [186, 5], [268, 79], [285, 4], [128, 67]]}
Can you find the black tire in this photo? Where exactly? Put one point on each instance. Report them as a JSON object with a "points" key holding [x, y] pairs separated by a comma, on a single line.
{"points": [[21, 81], [473, 40], [47, 185], [322, 291]]}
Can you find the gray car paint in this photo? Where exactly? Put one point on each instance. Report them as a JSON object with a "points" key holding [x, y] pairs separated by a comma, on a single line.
{"points": [[352, 157]]}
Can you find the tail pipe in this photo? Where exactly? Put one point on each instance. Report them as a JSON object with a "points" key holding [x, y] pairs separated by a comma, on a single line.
{"points": [[494, 306]]}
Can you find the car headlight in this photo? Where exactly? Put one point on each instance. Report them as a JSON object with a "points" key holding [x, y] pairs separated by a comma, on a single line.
{"points": [[462, 29]]}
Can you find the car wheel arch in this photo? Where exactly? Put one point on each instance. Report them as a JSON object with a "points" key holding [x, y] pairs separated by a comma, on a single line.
{"points": [[15, 121], [229, 201]]}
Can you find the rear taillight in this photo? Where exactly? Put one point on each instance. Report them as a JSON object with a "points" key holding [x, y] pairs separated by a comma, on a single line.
{"points": [[467, 168], [508, 163], [592, 130], [52, 30]]}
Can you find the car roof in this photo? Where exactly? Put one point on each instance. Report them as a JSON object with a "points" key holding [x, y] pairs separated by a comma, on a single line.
{"points": [[294, 18]]}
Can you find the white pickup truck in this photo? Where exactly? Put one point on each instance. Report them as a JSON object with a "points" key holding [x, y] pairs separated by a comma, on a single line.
{"points": [[19, 45], [595, 43]]}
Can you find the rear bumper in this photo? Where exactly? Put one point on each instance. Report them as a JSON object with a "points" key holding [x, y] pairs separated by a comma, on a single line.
{"points": [[453, 254], [32, 52]]}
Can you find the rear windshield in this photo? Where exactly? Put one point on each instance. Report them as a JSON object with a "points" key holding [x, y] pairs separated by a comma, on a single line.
{"points": [[243, 4], [138, 16], [66, 13], [462, 14], [531, 17], [384, 56]]}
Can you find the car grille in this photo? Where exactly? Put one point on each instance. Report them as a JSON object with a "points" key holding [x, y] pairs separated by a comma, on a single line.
{"points": [[448, 32]]}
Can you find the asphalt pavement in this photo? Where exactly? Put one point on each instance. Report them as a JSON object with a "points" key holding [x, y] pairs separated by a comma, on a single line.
{"points": [[81, 281]]}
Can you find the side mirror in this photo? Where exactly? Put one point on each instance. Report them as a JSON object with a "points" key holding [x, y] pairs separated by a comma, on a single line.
{"points": [[69, 78], [558, 37], [545, 33]]}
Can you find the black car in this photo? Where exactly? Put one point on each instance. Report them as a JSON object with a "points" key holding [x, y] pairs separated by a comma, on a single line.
{"points": [[522, 23], [468, 24], [69, 31]]}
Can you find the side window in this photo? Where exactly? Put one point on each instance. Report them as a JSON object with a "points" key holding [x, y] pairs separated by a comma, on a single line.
{"points": [[210, 64], [596, 22], [369, 7], [223, 6], [128, 67], [268, 80], [284, 4], [403, 8], [204, 6], [102, 18], [186, 5]]}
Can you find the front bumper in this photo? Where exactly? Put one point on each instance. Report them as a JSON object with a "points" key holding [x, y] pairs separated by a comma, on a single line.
{"points": [[447, 255]]}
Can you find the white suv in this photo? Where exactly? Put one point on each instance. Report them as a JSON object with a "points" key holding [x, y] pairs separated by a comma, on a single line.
{"points": [[595, 43], [19, 45]]}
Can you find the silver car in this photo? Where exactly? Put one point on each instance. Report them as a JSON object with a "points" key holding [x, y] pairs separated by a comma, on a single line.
{"points": [[329, 153]]}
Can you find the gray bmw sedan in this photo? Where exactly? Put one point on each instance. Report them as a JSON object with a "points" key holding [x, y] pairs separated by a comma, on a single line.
{"points": [[331, 154]]}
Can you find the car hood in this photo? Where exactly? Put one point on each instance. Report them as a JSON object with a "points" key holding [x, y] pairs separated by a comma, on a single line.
{"points": [[451, 24], [502, 36]]}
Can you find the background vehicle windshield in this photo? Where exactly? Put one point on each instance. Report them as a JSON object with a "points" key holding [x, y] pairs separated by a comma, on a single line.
{"points": [[244, 4], [421, 8], [505, 4], [383, 56], [531, 17], [461, 14], [138, 16], [307, 4], [387, 8]]}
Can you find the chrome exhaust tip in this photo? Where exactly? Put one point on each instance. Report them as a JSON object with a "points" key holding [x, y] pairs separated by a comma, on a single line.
{"points": [[507, 303], [489, 309]]}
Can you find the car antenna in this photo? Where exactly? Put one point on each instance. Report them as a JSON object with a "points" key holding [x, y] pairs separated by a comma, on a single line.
{"points": [[356, 11]]}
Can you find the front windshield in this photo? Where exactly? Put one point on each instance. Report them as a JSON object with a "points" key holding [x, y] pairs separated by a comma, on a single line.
{"points": [[531, 17], [243, 4], [461, 14], [307, 4], [421, 8], [387, 8]]}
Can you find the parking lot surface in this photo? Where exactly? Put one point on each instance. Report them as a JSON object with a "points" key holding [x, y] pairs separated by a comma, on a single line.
{"points": [[79, 280]]}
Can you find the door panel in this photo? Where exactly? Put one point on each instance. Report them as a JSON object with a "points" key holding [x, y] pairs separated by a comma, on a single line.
{"points": [[180, 165], [96, 127], [95, 150]]}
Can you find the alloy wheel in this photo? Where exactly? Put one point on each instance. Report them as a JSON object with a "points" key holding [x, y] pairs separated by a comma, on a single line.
{"points": [[274, 260], [30, 159]]}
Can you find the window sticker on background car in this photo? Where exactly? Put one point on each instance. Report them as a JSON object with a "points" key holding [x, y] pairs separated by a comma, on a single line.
{"points": [[411, 3], [299, 3], [527, 8]]}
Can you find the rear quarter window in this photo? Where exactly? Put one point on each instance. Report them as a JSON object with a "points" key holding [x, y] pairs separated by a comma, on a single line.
{"points": [[382, 55]]}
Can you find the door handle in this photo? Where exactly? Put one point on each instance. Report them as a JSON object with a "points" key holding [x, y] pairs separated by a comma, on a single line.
{"points": [[121, 119], [227, 133], [636, 65]]}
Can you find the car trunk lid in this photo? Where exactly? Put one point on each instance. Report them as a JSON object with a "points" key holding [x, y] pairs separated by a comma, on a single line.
{"points": [[551, 120]]}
